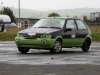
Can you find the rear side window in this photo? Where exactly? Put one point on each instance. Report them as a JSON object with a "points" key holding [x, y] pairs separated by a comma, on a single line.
{"points": [[80, 25]]}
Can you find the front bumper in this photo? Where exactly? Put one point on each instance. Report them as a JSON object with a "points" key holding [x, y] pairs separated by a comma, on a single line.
{"points": [[37, 43]]}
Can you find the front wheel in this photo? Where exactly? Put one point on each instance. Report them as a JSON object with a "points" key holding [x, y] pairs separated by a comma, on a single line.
{"points": [[57, 47], [23, 50], [86, 45]]}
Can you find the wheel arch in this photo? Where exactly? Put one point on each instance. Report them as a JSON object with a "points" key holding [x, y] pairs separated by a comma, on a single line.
{"points": [[86, 44], [89, 38], [59, 38]]}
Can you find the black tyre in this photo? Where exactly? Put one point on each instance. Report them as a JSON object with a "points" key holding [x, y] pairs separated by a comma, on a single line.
{"points": [[2, 28], [23, 50], [57, 47], [86, 45]]}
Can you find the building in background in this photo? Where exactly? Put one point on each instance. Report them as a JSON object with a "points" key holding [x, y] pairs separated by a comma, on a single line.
{"points": [[27, 22]]}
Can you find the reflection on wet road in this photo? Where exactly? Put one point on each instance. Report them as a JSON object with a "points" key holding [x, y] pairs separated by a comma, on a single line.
{"points": [[10, 54]]}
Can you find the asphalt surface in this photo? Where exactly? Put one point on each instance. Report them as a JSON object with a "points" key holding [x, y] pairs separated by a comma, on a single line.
{"points": [[71, 61]]}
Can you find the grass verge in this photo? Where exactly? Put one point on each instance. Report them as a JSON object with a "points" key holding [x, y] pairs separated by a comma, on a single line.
{"points": [[5, 36], [96, 37], [8, 36]]}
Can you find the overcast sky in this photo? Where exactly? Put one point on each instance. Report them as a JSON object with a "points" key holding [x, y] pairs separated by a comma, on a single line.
{"points": [[51, 4]]}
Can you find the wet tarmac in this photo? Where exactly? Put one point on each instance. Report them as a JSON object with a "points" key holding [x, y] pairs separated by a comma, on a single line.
{"points": [[10, 54], [71, 61]]}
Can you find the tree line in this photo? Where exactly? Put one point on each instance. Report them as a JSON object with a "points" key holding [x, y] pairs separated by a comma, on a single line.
{"points": [[9, 12]]}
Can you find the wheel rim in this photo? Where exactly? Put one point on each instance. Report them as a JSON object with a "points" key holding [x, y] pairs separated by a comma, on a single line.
{"points": [[57, 46]]}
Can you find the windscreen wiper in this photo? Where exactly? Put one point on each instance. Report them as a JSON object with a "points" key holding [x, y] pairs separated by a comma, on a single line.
{"points": [[43, 27], [55, 27]]}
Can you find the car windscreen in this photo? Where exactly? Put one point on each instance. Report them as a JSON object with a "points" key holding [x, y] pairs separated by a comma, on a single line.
{"points": [[50, 23]]}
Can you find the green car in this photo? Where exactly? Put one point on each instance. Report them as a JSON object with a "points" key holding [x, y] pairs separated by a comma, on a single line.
{"points": [[54, 34]]}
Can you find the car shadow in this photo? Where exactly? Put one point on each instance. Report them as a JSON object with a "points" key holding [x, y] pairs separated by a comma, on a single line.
{"points": [[47, 52]]}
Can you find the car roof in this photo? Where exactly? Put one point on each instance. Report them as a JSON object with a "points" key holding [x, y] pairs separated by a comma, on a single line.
{"points": [[61, 18]]}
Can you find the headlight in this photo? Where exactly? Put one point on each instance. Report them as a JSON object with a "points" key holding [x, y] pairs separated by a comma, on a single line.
{"points": [[19, 35], [17, 39]]}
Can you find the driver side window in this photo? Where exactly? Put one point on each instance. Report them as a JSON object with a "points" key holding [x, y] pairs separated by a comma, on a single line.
{"points": [[71, 24]]}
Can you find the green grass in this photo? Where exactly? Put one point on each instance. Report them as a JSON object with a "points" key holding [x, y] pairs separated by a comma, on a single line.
{"points": [[12, 32], [6, 36], [96, 37]]}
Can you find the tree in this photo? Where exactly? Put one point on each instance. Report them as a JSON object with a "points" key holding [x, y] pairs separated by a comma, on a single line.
{"points": [[85, 18], [53, 15], [9, 12]]}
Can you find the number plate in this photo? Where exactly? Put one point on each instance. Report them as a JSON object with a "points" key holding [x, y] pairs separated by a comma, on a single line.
{"points": [[31, 33]]}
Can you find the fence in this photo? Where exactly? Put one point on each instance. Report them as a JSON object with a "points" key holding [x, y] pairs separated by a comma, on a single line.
{"points": [[93, 28], [17, 28]]}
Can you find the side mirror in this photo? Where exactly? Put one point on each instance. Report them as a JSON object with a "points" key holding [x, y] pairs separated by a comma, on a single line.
{"points": [[67, 29]]}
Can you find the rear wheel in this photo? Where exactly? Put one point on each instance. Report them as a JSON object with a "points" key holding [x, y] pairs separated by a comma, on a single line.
{"points": [[57, 47], [23, 50], [86, 45]]}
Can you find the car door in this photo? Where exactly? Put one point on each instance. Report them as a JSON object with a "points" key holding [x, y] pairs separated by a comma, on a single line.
{"points": [[82, 32], [70, 35]]}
